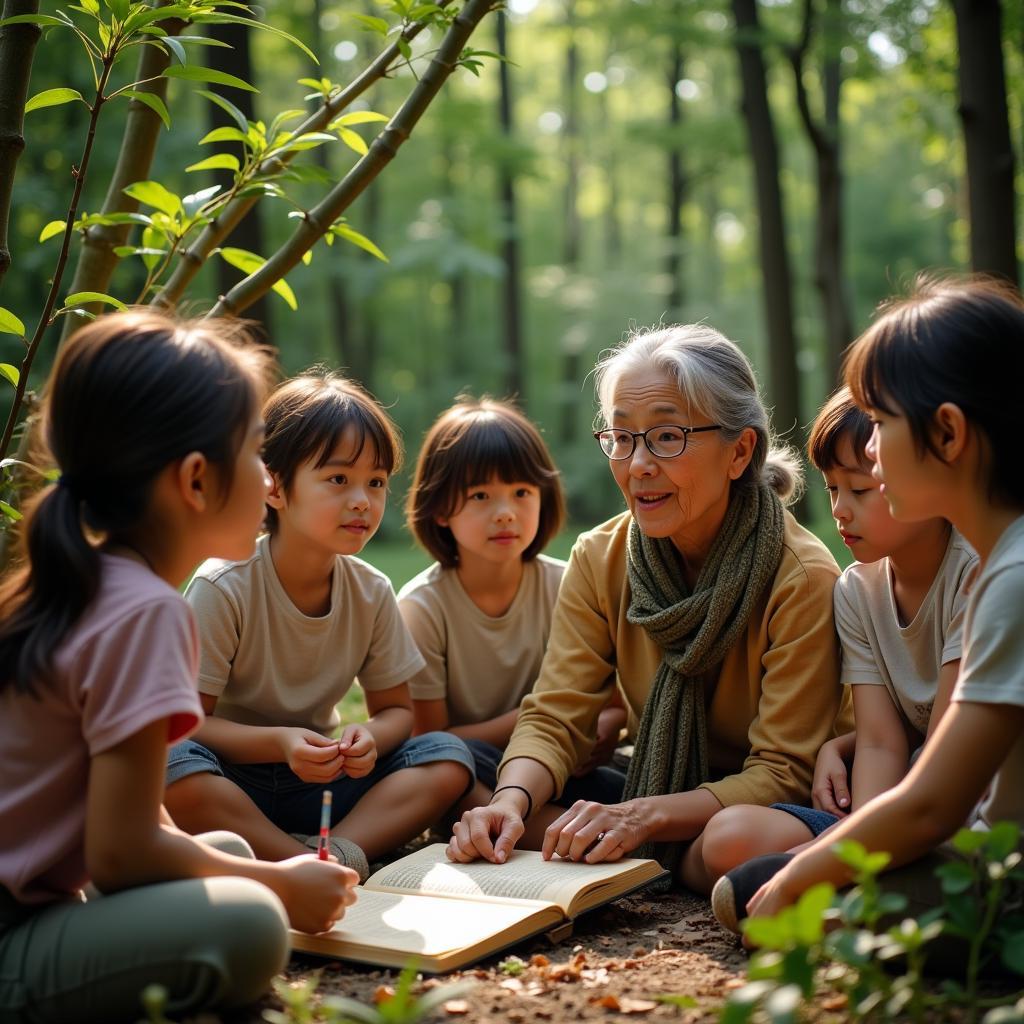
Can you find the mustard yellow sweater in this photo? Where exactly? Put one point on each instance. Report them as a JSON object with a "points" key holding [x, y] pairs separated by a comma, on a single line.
{"points": [[776, 696]]}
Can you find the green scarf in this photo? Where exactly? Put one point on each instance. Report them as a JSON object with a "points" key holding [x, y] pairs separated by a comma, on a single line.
{"points": [[694, 631]]}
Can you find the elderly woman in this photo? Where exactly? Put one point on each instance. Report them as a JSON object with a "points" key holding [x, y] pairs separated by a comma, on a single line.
{"points": [[706, 599]]}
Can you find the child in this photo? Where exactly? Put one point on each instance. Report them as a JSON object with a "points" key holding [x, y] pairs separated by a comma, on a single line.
{"points": [[283, 635], [485, 500], [155, 428], [899, 614], [939, 374]]}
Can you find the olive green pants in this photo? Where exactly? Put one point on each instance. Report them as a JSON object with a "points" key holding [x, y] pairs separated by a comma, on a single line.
{"points": [[213, 942]]}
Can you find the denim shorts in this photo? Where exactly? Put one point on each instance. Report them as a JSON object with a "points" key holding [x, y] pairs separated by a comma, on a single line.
{"points": [[603, 785], [815, 820], [293, 805]]}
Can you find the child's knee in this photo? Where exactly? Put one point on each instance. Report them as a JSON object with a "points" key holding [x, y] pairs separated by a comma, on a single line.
{"points": [[728, 840]]}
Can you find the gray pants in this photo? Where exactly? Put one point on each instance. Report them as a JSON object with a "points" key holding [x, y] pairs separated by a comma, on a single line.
{"points": [[212, 942]]}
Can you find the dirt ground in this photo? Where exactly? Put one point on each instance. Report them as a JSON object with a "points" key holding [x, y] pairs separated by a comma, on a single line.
{"points": [[615, 965]]}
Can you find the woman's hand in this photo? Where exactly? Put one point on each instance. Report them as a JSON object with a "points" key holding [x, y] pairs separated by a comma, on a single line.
{"points": [[830, 790], [474, 834], [595, 832]]}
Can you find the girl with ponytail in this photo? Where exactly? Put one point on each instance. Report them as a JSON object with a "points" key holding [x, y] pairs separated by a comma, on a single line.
{"points": [[154, 427]]}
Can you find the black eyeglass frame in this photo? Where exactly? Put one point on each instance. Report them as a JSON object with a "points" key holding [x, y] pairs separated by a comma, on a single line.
{"points": [[634, 434]]}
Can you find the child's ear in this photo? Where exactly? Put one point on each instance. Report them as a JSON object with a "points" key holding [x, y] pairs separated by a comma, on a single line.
{"points": [[276, 497], [949, 431], [195, 481], [441, 521]]}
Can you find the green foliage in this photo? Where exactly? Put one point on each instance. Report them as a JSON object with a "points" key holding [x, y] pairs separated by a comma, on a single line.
{"points": [[847, 943], [401, 1007]]}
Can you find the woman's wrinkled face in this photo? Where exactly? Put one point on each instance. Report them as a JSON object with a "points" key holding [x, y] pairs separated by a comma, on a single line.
{"points": [[684, 498]]}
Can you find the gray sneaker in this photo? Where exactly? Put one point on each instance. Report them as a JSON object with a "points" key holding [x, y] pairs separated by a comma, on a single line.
{"points": [[347, 852]]}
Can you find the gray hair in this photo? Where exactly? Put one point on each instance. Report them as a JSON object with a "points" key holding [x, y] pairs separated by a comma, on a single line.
{"points": [[715, 379]]}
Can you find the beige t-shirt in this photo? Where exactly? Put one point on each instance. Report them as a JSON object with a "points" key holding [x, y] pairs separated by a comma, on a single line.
{"points": [[269, 664], [992, 670], [480, 665], [904, 659]]}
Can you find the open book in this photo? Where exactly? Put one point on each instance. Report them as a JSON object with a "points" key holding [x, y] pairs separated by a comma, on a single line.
{"points": [[449, 915]]}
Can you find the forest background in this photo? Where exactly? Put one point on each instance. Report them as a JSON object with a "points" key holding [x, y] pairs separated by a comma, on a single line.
{"points": [[773, 168]]}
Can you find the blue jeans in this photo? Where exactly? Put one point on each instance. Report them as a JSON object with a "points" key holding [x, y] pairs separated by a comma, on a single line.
{"points": [[293, 805], [603, 785]]}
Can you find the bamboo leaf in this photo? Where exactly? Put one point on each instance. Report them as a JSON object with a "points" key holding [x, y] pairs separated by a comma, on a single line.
{"points": [[226, 134], [194, 73], [152, 193], [85, 298], [152, 101], [10, 372], [353, 236], [147, 15], [42, 20], [10, 324], [220, 18], [358, 117], [55, 227], [228, 107], [137, 250], [176, 48], [11, 513], [193, 202], [371, 23], [219, 162], [249, 263], [119, 8], [353, 140], [53, 98]]}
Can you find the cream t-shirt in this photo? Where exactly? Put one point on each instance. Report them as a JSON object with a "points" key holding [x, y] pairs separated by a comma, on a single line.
{"points": [[992, 670], [480, 665], [269, 664], [904, 659]]}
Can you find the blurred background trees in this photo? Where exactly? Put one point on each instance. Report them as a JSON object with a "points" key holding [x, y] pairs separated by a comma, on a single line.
{"points": [[774, 167]]}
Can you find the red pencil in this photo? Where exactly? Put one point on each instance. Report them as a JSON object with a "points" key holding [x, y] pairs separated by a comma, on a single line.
{"points": [[322, 846]]}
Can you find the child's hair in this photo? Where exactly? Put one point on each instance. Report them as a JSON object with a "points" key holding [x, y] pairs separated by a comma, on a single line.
{"points": [[475, 440], [954, 339], [131, 393], [838, 419], [306, 417]]}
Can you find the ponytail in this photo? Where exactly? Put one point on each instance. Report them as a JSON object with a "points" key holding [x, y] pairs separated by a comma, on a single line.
{"points": [[131, 393]]}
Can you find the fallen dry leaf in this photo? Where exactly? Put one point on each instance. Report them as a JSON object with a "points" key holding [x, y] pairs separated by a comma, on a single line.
{"points": [[627, 1005], [837, 1002], [382, 993], [539, 960], [456, 1007]]}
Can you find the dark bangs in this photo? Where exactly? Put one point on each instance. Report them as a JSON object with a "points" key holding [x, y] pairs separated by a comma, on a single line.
{"points": [[838, 418]]}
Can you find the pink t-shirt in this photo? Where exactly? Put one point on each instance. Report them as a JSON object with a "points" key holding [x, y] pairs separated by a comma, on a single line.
{"points": [[129, 661]]}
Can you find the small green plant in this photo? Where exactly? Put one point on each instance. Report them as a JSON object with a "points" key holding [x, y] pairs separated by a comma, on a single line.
{"points": [[830, 942], [403, 1007], [154, 1002], [512, 966]]}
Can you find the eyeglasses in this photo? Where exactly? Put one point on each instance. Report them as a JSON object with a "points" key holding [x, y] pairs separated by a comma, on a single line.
{"points": [[663, 442]]}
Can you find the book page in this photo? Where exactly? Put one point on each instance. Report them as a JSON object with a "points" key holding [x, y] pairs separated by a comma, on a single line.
{"points": [[524, 876], [402, 926]]}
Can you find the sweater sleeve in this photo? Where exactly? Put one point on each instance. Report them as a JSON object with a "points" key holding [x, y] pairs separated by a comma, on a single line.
{"points": [[799, 693], [557, 721]]}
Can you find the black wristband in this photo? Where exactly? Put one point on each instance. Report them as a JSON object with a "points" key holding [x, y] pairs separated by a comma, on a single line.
{"points": [[522, 789]]}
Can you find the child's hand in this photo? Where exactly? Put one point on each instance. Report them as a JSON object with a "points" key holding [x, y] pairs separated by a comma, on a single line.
{"points": [[314, 758], [830, 790], [359, 749], [609, 726], [315, 893]]}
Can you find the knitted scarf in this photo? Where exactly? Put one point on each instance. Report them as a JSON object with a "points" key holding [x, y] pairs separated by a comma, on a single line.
{"points": [[694, 631]]}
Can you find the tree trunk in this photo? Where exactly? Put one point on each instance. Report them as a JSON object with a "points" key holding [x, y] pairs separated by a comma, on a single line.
{"points": [[613, 229], [676, 186], [990, 161], [774, 254], [511, 322], [248, 234], [17, 48]]}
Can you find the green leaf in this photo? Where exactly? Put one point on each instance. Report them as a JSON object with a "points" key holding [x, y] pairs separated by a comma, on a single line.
{"points": [[86, 298], [147, 15], [226, 134], [679, 1001], [308, 140], [810, 912], [368, 21], [220, 18], [1001, 839], [249, 263], [53, 98], [218, 162], [42, 20], [956, 876], [353, 236], [152, 101], [11, 513], [194, 73], [10, 324], [55, 227], [404, 48], [152, 193], [353, 140], [137, 250], [119, 8], [177, 49], [10, 372], [228, 107], [358, 117], [307, 257]]}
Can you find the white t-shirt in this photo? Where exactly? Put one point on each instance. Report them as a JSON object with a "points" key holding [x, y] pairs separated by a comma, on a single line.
{"points": [[269, 664], [992, 670], [906, 660], [480, 665]]}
